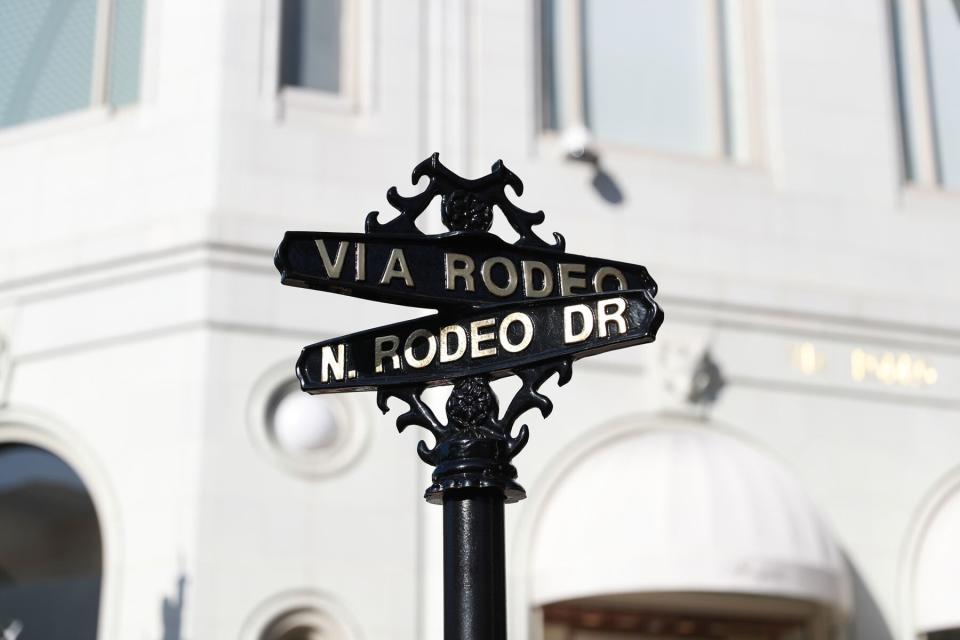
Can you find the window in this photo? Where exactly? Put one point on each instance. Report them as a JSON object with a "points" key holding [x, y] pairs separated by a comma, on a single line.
{"points": [[927, 38], [665, 76], [311, 45], [50, 549], [714, 616], [58, 56]]}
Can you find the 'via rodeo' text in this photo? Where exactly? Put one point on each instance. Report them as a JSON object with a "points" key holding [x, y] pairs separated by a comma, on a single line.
{"points": [[464, 269]]}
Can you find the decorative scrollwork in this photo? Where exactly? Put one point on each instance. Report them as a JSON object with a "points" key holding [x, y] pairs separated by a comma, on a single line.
{"points": [[466, 205], [476, 446]]}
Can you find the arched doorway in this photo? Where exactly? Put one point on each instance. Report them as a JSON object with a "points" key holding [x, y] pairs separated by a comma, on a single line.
{"points": [[51, 557], [682, 532]]}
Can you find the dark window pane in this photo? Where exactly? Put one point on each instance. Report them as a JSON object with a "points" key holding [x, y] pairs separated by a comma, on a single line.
{"points": [[310, 44], [50, 553]]}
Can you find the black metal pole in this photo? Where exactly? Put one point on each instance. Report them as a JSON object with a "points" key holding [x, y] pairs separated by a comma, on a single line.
{"points": [[474, 581]]}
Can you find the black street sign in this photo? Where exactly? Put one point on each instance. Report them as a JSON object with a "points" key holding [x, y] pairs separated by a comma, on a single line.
{"points": [[527, 309], [454, 269], [492, 340]]}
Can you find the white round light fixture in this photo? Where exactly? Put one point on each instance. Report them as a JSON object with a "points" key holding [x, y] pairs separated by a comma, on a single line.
{"points": [[302, 423], [307, 435]]}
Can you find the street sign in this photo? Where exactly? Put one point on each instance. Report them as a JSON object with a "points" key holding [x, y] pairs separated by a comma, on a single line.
{"points": [[501, 306], [528, 309], [494, 340], [463, 268]]}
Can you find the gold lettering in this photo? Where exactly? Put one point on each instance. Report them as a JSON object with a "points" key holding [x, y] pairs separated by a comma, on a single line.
{"points": [[388, 351], [445, 354], [397, 268], [331, 364], [524, 321], [586, 317], [529, 266], [361, 262], [453, 272], [604, 272], [476, 338], [412, 360], [486, 273], [568, 277], [333, 267], [604, 316]]}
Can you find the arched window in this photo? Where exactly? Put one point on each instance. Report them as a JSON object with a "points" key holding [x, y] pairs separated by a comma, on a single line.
{"points": [[50, 548]]}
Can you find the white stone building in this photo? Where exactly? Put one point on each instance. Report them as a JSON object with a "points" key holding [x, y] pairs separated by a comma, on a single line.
{"points": [[784, 462]]}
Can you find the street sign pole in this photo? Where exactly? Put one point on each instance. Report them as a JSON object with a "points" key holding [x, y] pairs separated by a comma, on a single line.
{"points": [[474, 580], [526, 309]]}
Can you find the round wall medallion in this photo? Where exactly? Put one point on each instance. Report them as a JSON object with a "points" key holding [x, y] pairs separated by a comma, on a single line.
{"points": [[310, 435], [303, 624], [301, 614]]}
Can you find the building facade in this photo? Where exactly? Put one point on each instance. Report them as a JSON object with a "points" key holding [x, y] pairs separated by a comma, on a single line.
{"points": [[784, 462]]}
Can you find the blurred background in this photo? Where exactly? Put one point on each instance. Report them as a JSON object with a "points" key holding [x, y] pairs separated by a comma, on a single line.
{"points": [[782, 464]]}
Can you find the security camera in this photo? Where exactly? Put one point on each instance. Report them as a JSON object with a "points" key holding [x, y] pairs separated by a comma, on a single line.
{"points": [[578, 143]]}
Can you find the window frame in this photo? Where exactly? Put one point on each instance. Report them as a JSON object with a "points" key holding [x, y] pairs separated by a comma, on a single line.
{"points": [[99, 90], [747, 151], [281, 100]]}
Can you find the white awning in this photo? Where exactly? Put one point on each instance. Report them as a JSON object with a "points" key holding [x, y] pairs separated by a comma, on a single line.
{"points": [[937, 583], [683, 509]]}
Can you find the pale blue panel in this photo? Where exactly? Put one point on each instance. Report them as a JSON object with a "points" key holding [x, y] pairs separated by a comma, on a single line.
{"points": [[897, 8], [310, 48], [647, 79], [943, 51], [550, 71], [46, 57], [126, 39]]}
